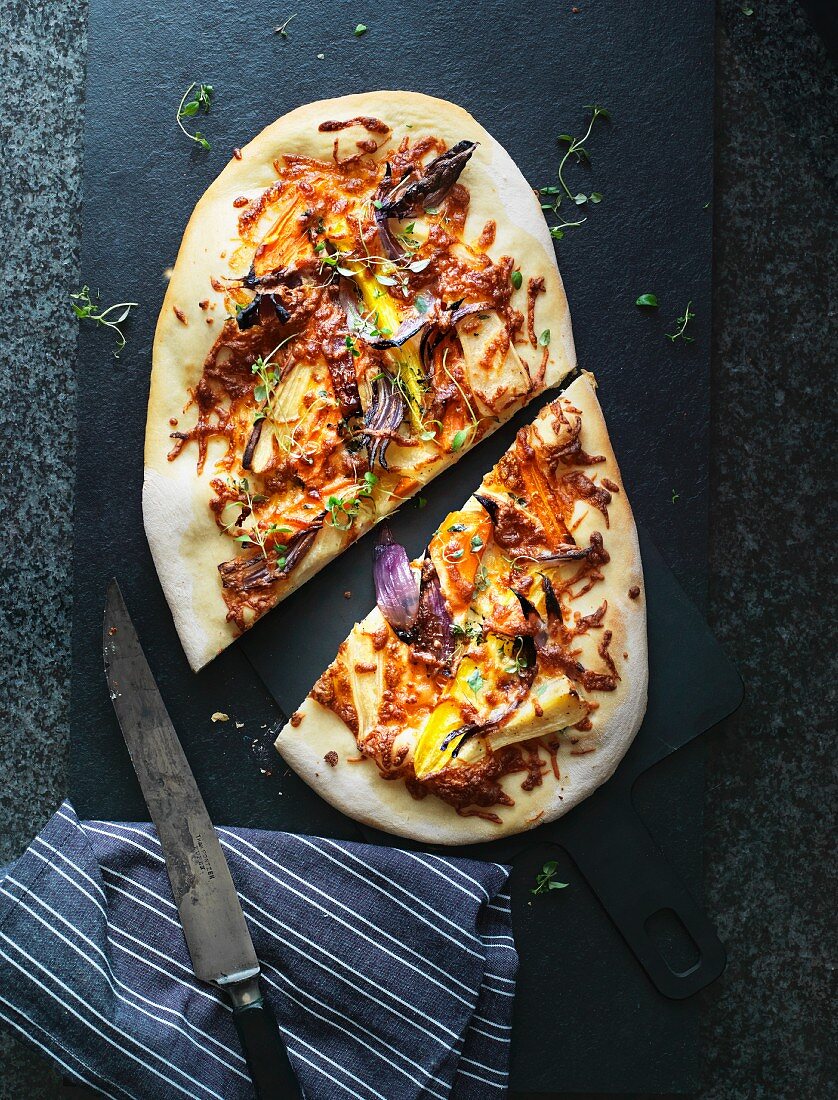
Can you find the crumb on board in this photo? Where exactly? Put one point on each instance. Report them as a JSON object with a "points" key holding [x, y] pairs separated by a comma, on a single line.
{"points": [[347, 595], [331, 758], [296, 718], [220, 716]]}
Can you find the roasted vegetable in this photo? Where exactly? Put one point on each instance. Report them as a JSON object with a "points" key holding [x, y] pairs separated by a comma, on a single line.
{"points": [[498, 669], [432, 186], [396, 589], [457, 551]]}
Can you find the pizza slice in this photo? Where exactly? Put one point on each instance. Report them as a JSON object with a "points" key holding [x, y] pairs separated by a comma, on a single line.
{"points": [[500, 678], [366, 291]]}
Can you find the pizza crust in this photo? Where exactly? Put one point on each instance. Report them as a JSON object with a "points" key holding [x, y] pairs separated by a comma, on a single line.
{"points": [[354, 785], [185, 542]]}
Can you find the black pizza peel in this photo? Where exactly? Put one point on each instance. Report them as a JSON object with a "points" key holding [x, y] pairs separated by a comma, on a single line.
{"points": [[692, 687]]}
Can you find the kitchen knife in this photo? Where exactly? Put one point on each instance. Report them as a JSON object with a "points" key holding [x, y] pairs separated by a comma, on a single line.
{"points": [[211, 916]]}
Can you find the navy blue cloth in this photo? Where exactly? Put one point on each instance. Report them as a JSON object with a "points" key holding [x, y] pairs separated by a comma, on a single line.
{"points": [[391, 973]]}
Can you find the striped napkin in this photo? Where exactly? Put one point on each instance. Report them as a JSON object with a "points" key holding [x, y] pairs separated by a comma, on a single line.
{"points": [[391, 973]]}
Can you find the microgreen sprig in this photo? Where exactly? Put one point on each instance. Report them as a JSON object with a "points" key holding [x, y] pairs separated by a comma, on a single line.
{"points": [[682, 322], [282, 29], [188, 108], [546, 879], [344, 510], [459, 437], [245, 502], [556, 194], [111, 317]]}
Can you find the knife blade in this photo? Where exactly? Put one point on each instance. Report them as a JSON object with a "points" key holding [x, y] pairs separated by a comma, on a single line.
{"points": [[210, 912]]}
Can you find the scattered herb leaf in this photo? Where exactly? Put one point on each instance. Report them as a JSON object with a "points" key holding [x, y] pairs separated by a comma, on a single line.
{"points": [[561, 192], [475, 681], [545, 879], [459, 439], [681, 331], [343, 510], [111, 317], [359, 30], [650, 300], [188, 108], [282, 29], [544, 338], [517, 279], [675, 496]]}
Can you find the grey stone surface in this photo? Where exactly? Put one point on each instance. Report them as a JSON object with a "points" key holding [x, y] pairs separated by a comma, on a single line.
{"points": [[770, 859], [41, 120]]}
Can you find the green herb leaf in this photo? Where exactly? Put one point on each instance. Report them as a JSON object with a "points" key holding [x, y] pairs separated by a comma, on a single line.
{"points": [[475, 681], [421, 502], [188, 108], [544, 338], [675, 496], [650, 300], [556, 232], [476, 543], [580, 199], [359, 30], [682, 322], [111, 317], [516, 278], [418, 265], [595, 197], [545, 879], [432, 210], [459, 439]]}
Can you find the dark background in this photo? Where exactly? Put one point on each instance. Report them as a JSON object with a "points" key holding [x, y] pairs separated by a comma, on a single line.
{"points": [[768, 809]]}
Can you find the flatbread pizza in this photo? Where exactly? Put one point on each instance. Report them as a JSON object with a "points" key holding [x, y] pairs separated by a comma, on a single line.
{"points": [[501, 678], [366, 291]]}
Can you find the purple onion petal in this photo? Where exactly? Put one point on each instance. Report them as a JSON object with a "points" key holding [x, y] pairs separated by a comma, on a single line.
{"points": [[396, 590]]}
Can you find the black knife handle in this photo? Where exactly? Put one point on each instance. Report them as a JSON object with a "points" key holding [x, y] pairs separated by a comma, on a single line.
{"points": [[267, 1060]]}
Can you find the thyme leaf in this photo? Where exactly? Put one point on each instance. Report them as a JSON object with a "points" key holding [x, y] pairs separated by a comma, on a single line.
{"points": [[546, 879], [188, 108], [111, 317]]}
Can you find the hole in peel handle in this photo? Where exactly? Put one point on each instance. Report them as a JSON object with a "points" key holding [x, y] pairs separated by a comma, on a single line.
{"points": [[634, 882]]}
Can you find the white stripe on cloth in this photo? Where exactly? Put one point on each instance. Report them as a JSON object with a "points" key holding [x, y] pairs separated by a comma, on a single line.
{"points": [[391, 973], [113, 981], [92, 1027], [355, 931]]}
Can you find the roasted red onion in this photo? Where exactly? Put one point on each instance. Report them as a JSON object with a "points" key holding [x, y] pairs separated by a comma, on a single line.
{"points": [[433, 634], [551, 603], [459, 311], [565, 552], [382, 419], [391, 246], [432, 186], [540, 634], [257, 571], [409, 327], [396, 590]]}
